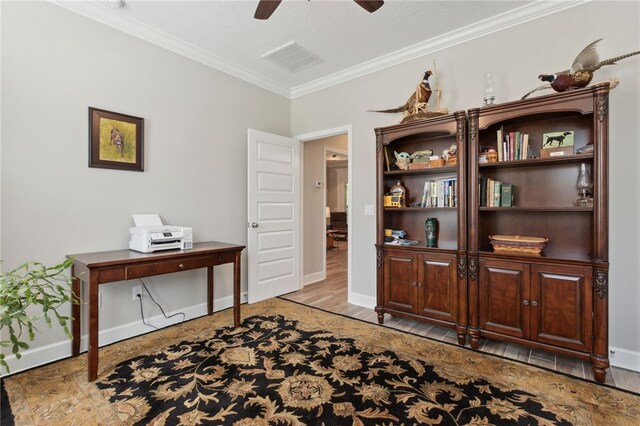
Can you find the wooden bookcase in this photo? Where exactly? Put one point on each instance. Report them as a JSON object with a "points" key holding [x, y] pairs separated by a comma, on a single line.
{"points": [[420, 282], [557, 300]]}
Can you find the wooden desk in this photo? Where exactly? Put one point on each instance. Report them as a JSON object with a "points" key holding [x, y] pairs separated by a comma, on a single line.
{"points": [[95, 269]]}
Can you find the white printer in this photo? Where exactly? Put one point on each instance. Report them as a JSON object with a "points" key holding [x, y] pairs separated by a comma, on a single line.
{"points": [[151, 235]]}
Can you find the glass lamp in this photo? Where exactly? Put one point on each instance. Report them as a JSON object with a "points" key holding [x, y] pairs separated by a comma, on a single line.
{"points": [[489, 93], [584, 186]]}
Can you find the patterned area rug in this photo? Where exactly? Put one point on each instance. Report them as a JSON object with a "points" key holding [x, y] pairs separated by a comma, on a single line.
{"points": [[292, 365]]}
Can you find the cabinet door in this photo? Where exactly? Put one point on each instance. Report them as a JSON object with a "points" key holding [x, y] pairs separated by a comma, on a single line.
{"points": [[437, 286], [504, 293], [561, 306], [399, 281]]}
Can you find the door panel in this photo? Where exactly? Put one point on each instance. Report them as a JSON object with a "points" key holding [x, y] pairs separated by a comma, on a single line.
{"points": [[437, 287], [273, 206], [504, 294], [399, 279], [561, 314]]}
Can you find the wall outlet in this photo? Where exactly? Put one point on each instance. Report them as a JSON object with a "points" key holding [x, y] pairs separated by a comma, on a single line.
{"points": [[137, 290]]}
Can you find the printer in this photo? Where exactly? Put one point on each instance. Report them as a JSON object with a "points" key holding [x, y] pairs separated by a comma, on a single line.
{"points": [[151, 235]]}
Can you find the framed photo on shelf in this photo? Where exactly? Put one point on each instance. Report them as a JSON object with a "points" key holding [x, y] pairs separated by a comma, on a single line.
{"points": [[116, 141], [557, 144]]}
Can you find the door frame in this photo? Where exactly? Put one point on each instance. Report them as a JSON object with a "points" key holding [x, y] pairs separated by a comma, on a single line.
{"points": [[308, 137]]}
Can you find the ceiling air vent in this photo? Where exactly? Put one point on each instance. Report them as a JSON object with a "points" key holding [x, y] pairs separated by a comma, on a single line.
{"points": [[292, 57]]}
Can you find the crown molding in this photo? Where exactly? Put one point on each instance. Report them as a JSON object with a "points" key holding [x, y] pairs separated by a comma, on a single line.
{"points": [[512, 18], [100, 12]]}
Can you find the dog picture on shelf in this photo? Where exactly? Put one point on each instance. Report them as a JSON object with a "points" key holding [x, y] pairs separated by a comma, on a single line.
{"points": [[557, 144]]}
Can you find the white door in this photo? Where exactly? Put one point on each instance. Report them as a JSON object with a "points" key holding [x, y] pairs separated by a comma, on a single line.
{"points": [[273, 202]]}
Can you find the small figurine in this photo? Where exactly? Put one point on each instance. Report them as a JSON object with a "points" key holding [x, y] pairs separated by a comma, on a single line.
{"points": [[402, 160]]}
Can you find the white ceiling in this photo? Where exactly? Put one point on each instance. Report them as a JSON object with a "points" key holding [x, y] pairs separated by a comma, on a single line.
{"points": [[350, 41]]}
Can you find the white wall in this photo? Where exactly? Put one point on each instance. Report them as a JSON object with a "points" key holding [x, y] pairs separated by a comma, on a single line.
{"points": [[516, 56], [55, 64]]}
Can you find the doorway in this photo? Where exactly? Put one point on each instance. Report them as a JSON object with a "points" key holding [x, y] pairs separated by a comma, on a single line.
{"points": [[326, 173]]}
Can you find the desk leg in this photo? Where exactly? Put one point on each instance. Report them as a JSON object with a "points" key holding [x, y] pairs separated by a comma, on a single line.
{"points": [[92, 356], [236, 291], [210, 290], [75, 315]]}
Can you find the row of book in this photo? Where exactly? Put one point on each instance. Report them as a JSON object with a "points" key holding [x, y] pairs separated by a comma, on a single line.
{"points": [[512, 146], [440, 193], [494, 193]]}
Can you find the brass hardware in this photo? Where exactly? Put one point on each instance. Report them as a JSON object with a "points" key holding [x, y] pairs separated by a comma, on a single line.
{"points": [[534, 303], [525, 302], [181, 266]]}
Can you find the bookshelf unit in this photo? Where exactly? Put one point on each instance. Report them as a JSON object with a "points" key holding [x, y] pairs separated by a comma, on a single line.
{"points": [[420, 282], [557, 300]]}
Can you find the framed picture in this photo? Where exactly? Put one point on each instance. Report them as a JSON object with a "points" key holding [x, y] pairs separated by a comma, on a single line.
{"points": [[115, 140]]}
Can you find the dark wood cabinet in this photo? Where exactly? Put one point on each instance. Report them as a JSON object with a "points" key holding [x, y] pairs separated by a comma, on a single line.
{"points": [[556, 300], [417, 281]]}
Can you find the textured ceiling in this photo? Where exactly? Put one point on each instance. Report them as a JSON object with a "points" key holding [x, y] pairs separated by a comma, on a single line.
{"points": [[225, 35]]}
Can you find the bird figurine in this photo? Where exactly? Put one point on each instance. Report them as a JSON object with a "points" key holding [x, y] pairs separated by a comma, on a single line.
{"points": [[581, 73], [418, 100]]}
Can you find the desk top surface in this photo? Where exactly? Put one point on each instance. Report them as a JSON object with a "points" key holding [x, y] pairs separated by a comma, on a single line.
{"points": [[120, 257]]}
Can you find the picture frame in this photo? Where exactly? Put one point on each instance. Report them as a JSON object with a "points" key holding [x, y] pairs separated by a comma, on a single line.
{"points": [[116, 141]]}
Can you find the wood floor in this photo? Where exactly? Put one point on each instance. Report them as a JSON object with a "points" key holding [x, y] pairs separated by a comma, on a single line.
{"points": [[331, 295]]}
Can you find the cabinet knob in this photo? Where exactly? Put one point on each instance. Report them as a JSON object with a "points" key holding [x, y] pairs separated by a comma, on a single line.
{"points": [[534, 303], [414, 284], [525, 302], [181, 266], [419, 284]]}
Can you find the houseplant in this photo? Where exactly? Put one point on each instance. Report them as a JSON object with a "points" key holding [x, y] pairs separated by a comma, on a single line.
{"points": [[32, 284]]}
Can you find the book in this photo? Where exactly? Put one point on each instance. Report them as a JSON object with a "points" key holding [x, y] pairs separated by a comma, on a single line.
{"points": [[425, 202], [506, 196], [483, 192], [497, 192], [525, 146], [499, 145], [490, 190], [434, 194]]}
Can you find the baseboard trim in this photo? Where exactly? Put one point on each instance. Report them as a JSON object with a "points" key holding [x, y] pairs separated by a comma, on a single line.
{"points": [[624, 358], [60, 350], [362, 300], [314, 278]]}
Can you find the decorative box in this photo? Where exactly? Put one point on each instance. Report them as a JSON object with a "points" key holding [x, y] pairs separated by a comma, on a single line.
{"points": [[517, 244]]}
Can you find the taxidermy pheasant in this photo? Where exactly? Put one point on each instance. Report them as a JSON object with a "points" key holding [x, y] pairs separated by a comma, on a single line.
{"points": [[586, 63], [417, 101]]}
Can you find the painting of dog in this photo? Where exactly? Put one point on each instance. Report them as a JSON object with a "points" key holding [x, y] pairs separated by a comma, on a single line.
{"points": [[115, 141], [557, 139]]}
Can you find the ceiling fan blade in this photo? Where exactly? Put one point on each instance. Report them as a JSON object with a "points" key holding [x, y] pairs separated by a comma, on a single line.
{"points": [[370, 5], [266, 8]]}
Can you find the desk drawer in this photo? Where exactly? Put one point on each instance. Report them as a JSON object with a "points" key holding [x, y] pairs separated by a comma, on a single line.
{"points": [[167, 267], [221, 258]]}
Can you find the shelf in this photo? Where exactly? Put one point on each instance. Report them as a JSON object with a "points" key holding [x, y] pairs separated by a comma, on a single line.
{"points": [[417, 209], [533, 257], [426, 171], [538, 161], [536, 209]]}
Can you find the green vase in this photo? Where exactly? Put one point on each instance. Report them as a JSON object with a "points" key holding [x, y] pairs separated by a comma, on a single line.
{"points": [[431, 230]]}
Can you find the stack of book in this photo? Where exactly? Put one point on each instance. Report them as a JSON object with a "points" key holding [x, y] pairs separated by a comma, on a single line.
{"points": [[440, 193], [494, 193], [512, 146]]}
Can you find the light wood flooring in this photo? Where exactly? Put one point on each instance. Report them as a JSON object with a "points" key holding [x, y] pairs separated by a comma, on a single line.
{"points": [[331, 295]]}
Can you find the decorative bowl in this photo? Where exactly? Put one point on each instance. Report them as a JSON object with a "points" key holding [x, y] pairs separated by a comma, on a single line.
{"points": [[518, 244]]}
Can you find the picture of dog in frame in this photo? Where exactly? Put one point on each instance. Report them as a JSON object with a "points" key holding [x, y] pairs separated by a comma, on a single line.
{"points": [[557, 139]]}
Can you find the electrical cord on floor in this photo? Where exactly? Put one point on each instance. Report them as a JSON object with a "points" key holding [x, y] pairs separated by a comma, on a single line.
{"points": [[154, 301]]}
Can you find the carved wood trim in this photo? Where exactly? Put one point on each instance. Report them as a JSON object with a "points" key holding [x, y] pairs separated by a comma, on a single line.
{"points": [[462, 267], [602, 107], [473, 129], [460, 132], [379, 258], [473, 269], [602, 283], [378, 143]]}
